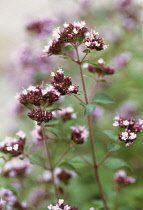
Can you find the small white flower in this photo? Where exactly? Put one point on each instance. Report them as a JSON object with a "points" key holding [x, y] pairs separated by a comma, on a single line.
{"points": [[140, 121], [17, 96], [15, 147], [101, 61], [125, 136], [91, 208], [61, 201], [52, 74], [32, 88], [71, 88], [60, 71], [79, 24], [116, 117], [24, 92], [56, 33], [65, 25], [125, 122], [75, 31], [116, 123], [120, 173], [132, 136], [21, 134], [9, 148]]}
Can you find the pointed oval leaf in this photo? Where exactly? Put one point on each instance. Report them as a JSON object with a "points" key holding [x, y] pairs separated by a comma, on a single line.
{"points": [[102, 98], [54, 131], [89, 109], [94, 64], [111, 135], [113, 147], [67, 166], [67, 48], [115, 163]]}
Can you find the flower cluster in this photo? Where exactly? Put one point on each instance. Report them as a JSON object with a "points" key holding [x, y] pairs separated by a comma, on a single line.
{"points": [[10, 201], [102, 69], [40, 116], [93, 42], [122, 179], [71, 33], [63, 84], [131, 128], [13, 146], [79, 134], [62, 175], [39, 27], [66, 114], [16, 167], [61, 206], [38, 96]]}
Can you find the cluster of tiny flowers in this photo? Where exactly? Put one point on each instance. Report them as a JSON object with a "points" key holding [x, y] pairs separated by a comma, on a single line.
{"points": [[71, 33], [61, 206], [13, 146], [40, 116], [131, 128], [63, 84], [62, 175], [39, 27], [10, 201], [66, 114], [16, 167], [93, 42], [79, 134], [121, 178], [104, 70], [38, 96]]}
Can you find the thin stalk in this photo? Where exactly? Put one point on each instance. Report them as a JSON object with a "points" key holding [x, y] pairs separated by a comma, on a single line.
{"points": [[104, 158], [63, 155], [91, 137], [78, 98], [85, 160], [81, 75], [50, 162], [93, 90], [39, 164]]}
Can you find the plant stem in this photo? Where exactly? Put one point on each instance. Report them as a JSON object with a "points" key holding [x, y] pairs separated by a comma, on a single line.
{"points": [[63, 155], [45, 167], [104, 158], [93, 90], [50, 162], [96, 172]]}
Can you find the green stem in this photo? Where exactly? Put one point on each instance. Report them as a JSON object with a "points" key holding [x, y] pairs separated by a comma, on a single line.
{"points": [[63, 155], [50, 162], [96, 172], [104, 158]]}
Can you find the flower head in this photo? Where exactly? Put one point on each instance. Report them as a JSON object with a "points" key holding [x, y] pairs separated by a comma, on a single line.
{"points": [[131, 128], [13, 146], [121, 178], [61, 206], [79, 134]]}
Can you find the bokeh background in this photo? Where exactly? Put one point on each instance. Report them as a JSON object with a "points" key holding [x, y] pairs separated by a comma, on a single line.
{"points": [[120, 23]]}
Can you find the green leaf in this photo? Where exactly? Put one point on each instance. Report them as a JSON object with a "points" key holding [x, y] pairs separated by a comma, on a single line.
{"points": [[94, 64], [67, 48], [111, 135], [113, 147], [82, 104], [54, 131], [80, 92], [37, 158], [86, 51], [80, 40], [115, 163], [98, 204], [67, 166], [52, 122], [89, 109], [102, 98]]}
